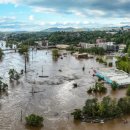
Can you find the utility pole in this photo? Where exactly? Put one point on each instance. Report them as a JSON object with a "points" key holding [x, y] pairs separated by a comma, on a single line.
{"points": [[21, 116], [25, 63]]}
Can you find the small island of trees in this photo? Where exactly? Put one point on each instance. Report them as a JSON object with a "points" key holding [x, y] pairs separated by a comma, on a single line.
{"points": [[97, 111]]}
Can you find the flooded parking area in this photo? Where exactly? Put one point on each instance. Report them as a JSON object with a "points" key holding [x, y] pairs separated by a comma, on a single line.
{"points": [[55, 97]]}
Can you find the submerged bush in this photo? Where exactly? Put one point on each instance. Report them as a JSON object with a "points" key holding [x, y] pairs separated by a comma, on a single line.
{"points": [[3, 86], [13, 74], [55, 53], [110, 64], [1, 53], [23, 49], [34, 120], [101, 60], [107, 108], [98, 87], [77, 114], [90, 90], [114, 85]]}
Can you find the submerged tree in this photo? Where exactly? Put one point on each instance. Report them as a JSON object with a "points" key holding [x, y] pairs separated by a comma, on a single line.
{"points": [[3, 86], [55, 53], [105, 109], [98, 87], [14, 75], [77, 114], [114, 85], [1, 53], [23, 49]]}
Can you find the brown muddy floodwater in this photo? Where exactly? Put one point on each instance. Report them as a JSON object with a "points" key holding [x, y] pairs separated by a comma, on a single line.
{"points": [[56, 97]]}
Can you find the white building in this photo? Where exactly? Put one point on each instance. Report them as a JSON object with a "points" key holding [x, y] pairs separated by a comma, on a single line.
{"points": [[109, 46], [42, 43], [121, 47], [86, 45], [62, 46]]}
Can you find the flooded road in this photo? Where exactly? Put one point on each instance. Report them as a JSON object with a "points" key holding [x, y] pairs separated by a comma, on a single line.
{"points": [[55, 98]]}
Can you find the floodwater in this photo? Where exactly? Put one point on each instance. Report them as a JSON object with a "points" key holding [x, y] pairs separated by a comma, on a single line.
{"points": [[55, 98]]}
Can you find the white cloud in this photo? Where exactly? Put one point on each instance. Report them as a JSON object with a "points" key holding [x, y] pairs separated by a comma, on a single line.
{"points": [[96, 12], [43, 10], [9, 1], [31, 17], [78, 13], [6, 19]]}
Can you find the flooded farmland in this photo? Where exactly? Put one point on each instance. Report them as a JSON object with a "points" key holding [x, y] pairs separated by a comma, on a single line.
{"points": [[55, 97]]}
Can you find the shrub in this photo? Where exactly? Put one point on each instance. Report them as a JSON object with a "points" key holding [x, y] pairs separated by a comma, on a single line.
{"points": [[110, 64], [1, 53], [34, 120], [114, 85], [100, 79], [128, 91], [101, 60], [55, 53], [23, 49], [107, 108], [97, 59], [124, 58], [98, 87], [77, 114], [90, 90], [13, 74], [3, 86]]}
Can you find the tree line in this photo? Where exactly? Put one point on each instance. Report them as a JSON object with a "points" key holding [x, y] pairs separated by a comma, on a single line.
{"points": [[69, 37], [105, 109]]}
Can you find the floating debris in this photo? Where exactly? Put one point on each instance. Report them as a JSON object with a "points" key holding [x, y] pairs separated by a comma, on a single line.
{"points": [[83, 68], [60, 70], [41, 76], [75, 85]]}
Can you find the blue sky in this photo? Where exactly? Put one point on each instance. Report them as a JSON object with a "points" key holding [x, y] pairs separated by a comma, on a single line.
{"points": [[35, 15]]}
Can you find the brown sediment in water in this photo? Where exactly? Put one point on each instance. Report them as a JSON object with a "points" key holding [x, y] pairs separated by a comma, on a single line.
{"points": [[56, 97]]}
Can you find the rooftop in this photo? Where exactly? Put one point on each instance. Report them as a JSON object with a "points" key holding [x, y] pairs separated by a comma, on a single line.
{"points": [[112, 74]]}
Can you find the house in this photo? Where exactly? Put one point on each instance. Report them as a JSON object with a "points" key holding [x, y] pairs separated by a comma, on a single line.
{"points": [[86, 45], [62, 46], [121, 47], [43, 43]]}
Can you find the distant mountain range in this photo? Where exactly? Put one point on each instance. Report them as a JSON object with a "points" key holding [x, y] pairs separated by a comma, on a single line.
{"points": [[70, 29]]}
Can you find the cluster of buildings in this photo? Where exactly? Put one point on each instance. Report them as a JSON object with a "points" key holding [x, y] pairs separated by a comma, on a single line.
{"points": [[43, 43], [108, 46]]}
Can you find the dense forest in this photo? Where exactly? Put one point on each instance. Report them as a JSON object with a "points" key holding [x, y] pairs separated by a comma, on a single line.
{"points": [[67, 37]]}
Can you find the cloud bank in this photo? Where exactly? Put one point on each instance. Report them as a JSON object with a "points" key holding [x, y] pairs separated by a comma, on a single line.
{"points": [[89, 11]]}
